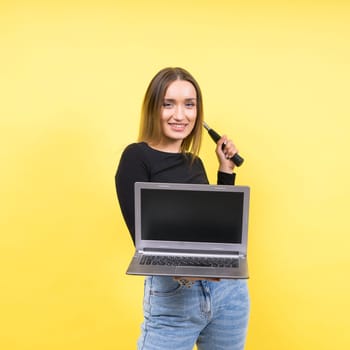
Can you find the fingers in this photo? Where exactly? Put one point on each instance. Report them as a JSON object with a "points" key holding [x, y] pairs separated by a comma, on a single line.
{"points": [[226, 148], [193, 279]]}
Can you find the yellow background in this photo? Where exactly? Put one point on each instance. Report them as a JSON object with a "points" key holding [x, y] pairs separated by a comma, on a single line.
{"points": [[275, 77]]}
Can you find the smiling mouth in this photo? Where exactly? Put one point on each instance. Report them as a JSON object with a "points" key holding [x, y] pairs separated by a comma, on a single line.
{"points": [[177, 127]]}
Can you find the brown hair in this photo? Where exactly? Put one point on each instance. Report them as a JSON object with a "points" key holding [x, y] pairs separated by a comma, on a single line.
{"points": [[152, 104]]}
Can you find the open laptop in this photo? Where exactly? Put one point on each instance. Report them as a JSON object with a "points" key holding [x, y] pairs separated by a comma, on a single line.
{"points": [[190, 230]]}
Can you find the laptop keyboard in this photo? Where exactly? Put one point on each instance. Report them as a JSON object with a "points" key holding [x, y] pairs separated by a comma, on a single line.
{"points": [[188, 261]]}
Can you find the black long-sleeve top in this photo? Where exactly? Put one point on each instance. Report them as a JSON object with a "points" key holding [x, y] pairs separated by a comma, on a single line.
{"points": [[141, 163]]}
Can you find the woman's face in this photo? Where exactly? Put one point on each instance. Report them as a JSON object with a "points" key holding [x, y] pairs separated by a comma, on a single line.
{"points": [[178, 112]]}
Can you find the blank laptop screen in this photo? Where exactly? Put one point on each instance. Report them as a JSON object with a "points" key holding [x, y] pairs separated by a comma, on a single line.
{"points": [[191, 216]]}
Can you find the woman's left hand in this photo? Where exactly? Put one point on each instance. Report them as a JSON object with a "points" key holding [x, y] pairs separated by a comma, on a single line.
{"points": [[189, 281], [193, 279], [225, 150]]}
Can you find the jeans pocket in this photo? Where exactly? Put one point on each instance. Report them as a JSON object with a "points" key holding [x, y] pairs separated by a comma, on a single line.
{"points": [[164, 298]]}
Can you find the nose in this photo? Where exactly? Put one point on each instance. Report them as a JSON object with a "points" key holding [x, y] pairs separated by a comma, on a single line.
{"points": [[179, 113]]}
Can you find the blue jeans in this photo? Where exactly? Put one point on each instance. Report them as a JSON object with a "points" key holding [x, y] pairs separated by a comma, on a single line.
{"points": [[213, 315]]}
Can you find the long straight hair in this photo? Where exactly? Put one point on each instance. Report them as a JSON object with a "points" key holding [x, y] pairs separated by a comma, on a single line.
{"points": [[150, 129]]}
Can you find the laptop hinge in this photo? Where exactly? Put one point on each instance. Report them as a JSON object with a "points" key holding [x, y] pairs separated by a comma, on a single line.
{"points": [[160, 251]]}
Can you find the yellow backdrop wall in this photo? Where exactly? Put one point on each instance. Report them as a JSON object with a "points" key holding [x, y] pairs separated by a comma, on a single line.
{"points": [[275, 77]]}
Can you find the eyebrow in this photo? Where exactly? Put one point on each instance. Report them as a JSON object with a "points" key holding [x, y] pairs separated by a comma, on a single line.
{"points": [[186, 99]]}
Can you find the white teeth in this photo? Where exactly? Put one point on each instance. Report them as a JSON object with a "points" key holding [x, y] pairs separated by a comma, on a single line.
{"points": [[178, 126]]}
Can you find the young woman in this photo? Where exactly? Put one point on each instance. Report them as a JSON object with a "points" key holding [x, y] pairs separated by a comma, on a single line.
{"points": [[179, 313]]}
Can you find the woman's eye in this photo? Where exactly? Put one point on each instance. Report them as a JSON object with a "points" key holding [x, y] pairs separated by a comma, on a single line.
{"points": [[190, 104], [167, 105]]}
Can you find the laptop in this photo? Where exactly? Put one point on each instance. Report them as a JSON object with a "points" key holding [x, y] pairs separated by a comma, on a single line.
{"points": [[190, 230]]}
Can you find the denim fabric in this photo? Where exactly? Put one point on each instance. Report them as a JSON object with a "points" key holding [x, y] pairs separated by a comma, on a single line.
{"points": [[213, 315]]}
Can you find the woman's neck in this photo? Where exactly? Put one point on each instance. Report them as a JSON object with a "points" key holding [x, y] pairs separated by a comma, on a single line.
{"points": [[169, 147]]}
